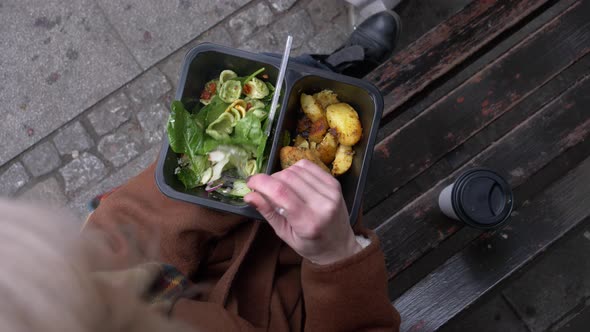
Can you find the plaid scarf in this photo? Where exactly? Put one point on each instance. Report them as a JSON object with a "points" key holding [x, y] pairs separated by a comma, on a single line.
{"points": [[168, 286]]}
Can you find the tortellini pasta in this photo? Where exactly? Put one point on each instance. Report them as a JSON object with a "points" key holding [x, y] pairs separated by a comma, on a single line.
{"points": [[230, 91], [227, 75], [256, 89]]}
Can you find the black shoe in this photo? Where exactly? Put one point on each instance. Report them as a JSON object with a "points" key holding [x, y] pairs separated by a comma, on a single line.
{"points": [[368, 46]]}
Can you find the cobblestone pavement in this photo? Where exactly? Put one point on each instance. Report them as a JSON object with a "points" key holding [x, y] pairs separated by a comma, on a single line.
{"points": [[91, 80]]}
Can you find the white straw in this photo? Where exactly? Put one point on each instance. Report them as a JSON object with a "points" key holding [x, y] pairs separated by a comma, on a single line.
{"points": [[275, 97]]}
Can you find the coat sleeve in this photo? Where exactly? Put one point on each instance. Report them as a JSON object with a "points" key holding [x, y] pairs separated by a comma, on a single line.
{"points": [[349, 295]]}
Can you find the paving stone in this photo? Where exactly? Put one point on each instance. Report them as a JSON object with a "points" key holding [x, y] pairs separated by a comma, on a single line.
{"points": [[282, 5], [12, 179], [167, 99], [47, 192], [246, 22], [493, 315], [72, 138], [328, 40], [148, 87], [264, 41], [82, 172], [110, 113], [153, 29], [171, 65], [298, 25], [323, 12], [122, 146], [42, 159], [153, 121], [60, 57], [80, 201], [555, 284], [273, 39]]}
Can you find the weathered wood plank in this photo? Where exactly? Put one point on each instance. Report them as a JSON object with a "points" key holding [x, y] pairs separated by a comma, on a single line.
{"points": [[463, 113], [435, 92], [445, 46], [491, 259], [579, 322], [534, 185], [474, 145], [562, 124]]}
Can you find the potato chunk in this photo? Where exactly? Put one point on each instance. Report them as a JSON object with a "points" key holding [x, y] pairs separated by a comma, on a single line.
{"points": [[345, 120], [327, 148], [311, 108], [301, 142], [326, 98], [318, 129], [343, 160], [303, 126], [290, 155]]}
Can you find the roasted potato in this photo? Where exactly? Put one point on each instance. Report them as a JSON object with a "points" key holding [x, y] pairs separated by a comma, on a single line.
{"points": [[303, 126], [326, 98], [326, 133], [327, 148], [318, 129], [343, 160], [301, 142], [345, 120], [311, 108], [290, 155]]}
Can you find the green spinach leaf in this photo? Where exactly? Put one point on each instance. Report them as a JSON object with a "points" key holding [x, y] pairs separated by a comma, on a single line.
{"points": [[248, 130], [212, 111], [185, 133]]}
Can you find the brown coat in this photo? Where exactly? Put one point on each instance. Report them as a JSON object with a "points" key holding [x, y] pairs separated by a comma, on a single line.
{"points": [[248, 279]]}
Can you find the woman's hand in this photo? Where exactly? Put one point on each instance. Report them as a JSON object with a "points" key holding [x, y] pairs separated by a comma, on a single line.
{"points": [[304, 205]]}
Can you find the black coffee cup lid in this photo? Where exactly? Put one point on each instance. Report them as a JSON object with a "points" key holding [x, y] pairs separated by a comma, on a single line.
{"points": [[482, 198]]}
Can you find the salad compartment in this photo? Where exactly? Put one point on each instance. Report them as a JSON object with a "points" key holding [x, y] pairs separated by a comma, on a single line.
{"points": [[202, 64]]}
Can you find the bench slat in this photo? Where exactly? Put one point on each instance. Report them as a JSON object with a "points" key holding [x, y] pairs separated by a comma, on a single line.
{"points": [[524, 193], [419, 227], [476, 103], [491, 259], [437, 90], [446, 46], [476, 144]]}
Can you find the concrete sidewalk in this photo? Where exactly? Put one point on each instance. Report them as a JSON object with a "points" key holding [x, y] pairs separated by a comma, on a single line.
{"points": [[87, 83]]}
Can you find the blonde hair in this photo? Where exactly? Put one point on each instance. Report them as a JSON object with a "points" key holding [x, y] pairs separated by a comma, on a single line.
{"points": [[47, 284]]}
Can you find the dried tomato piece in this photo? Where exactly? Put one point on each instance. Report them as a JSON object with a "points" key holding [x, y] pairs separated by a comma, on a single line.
{"points": [[247, 89]]}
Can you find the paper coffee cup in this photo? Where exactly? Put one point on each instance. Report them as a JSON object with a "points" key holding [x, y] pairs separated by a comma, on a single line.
{"points": [[479, 197]]}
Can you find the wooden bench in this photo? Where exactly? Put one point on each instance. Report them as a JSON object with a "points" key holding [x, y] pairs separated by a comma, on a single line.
{"points": [[501, 84]]}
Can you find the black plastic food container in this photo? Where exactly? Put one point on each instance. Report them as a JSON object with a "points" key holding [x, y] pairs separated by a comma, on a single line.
{"points": [[207, 60]]}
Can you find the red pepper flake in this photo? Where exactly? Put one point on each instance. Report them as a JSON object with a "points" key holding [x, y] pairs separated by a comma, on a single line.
{"points": [[247, 89], [212, 87], [205, 95], [248, 106]]}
